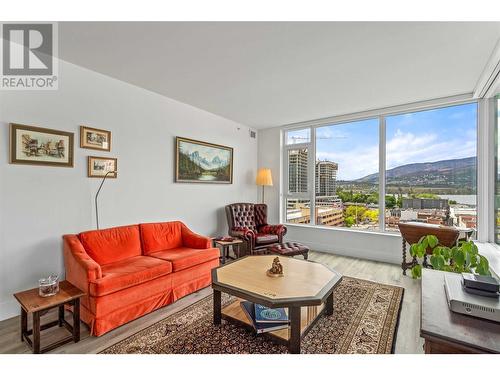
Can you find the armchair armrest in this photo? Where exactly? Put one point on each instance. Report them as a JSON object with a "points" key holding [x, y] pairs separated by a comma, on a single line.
{"points": [[245, 234], [193, 240], [80, 267], [279, 229]]}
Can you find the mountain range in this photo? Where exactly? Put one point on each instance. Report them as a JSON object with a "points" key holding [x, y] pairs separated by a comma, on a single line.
{"points": [[215, 163], [442, 173]]}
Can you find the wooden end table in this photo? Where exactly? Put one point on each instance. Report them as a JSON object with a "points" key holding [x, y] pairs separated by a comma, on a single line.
{"points": [[447, 332], [306, 290], [31, 302], [225, 245]]}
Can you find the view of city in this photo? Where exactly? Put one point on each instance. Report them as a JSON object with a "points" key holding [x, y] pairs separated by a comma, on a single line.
{"points": [[430, 171]]}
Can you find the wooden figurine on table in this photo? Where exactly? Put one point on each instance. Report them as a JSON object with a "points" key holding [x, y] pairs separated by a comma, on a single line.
{"points": [[276, 269]]}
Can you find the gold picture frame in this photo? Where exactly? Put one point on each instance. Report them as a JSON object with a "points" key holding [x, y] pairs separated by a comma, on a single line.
{"points": [[97, 166], [34, 145], [95, 139], [202, 162]]}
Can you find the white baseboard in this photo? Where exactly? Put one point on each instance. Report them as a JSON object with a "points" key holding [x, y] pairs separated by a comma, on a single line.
{"points": [[371, 254]]}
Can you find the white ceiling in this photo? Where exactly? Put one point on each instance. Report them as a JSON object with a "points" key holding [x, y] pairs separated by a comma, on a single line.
{"points": [[270, 74]]}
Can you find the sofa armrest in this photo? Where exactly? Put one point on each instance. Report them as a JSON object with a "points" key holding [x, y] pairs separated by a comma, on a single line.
{"points": [[80, 267], [194, 240]]}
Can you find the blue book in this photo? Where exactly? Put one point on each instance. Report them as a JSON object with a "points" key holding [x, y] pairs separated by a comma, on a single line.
{"points": [[249, 310], [264, 314]]}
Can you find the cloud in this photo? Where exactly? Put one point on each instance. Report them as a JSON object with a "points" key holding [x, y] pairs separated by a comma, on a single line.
{"points": [[407, 148], [403, 148], [358, 162]]}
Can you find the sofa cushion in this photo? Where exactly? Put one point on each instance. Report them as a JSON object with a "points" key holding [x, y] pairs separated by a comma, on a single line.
{"points": [[127, 273], [264, 239], [112, 245], [185, 257], [161, 236]]}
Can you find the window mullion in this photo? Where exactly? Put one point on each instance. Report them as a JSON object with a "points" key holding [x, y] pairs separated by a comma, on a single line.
{"points": [[381, 173], [312, 175]]}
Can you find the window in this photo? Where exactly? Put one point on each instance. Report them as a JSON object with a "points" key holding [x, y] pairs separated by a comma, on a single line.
{"points": [[346, 175], [431, 167], [295, 137], [497, 171], [332, 171], [297, 189]]}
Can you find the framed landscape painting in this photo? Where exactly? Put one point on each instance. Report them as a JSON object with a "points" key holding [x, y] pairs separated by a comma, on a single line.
{"points": [[98, 167], [40, 146], [96, 139], [203, 162]]}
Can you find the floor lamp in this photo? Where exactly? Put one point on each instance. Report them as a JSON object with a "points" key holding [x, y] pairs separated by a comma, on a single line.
{"points": [[97, 195], [264, 178]]}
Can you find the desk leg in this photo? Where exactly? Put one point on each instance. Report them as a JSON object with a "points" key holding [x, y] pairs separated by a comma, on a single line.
{"points": [[224, 254], [294, 344], [76, 320], [329, 304], [217, 307], [61, 315], [24, 323], [36, 332], [403, 264]]}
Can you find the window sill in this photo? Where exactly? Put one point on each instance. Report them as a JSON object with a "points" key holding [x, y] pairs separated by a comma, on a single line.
{"points": [[340, 229]]}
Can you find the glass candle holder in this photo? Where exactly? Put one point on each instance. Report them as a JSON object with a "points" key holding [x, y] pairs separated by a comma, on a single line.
{"points": [[48, 286]]}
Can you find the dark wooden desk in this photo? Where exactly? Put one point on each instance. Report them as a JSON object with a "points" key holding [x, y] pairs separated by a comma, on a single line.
{"points": [[447, 332]]}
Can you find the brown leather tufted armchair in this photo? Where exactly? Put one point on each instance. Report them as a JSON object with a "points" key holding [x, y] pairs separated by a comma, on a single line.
{"points": [[248, 221]]}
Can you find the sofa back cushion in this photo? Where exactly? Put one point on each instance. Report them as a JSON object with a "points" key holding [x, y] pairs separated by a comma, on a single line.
{"points": [[111, 245], [161, 236]]}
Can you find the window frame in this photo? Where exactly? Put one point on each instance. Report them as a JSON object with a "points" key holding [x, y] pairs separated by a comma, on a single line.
{"points": [[381, 115]]}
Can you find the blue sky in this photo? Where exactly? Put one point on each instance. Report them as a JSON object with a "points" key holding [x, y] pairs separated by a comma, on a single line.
{"points": [[426, 136]]}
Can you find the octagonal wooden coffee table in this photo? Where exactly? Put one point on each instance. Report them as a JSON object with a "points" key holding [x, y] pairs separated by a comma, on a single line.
{"points": [[306, 290]]}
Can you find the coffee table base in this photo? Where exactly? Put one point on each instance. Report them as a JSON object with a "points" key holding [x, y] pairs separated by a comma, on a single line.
{"points": [[302, 319]]}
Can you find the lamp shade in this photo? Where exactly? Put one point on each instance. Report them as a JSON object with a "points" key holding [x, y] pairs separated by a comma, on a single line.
{"points": [[264, 177]]}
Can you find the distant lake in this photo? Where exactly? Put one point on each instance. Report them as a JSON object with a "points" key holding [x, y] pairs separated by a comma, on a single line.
{"points": [[464, 199]]}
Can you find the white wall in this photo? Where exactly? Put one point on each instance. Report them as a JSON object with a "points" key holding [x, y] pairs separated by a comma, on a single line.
{"points": [[39, 204], [376, 246]]}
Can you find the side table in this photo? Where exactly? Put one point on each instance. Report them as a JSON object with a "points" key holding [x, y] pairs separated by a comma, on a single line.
{"points": [[31, 302], [225, 245]]}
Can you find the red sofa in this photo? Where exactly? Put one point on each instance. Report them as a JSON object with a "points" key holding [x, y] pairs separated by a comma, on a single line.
{"points": [[132, 270]]}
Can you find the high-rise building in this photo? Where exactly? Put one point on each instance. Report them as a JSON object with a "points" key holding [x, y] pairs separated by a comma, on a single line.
{"points": [[326, 178], [297, 171]]}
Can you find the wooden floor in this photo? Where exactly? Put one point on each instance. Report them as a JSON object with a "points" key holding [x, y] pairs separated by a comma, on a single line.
{"points": [[408, 340]]}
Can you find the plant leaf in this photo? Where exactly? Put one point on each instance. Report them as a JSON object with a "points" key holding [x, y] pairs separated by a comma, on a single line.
{"points": [[414, 250], [437, 262], [416, 271], [432, 241], [459, 258]]}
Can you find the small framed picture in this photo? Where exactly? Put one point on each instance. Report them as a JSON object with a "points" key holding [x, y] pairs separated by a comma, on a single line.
{"points": [[40, 146], [95, 139], [99, 167]]}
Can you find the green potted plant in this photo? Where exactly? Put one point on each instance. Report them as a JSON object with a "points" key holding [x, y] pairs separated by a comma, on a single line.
{"points": [[463, 257]]}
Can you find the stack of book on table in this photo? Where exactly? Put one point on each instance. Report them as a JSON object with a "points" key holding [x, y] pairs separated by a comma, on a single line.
{"points": [[265, 319]]}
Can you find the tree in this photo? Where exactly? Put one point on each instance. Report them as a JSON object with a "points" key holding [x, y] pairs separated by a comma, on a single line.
{"points": [[349, 221], [390, 201], [356, 212], [370, 215]]}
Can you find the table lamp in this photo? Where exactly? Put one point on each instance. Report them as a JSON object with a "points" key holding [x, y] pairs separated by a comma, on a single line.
{"points": [[264, 178]]}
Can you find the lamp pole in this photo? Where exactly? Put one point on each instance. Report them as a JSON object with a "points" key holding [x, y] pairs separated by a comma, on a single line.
{"points": [[97, 195]]}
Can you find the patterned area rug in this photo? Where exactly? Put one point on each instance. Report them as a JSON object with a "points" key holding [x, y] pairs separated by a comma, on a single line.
{"points": [[365, 320]]}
